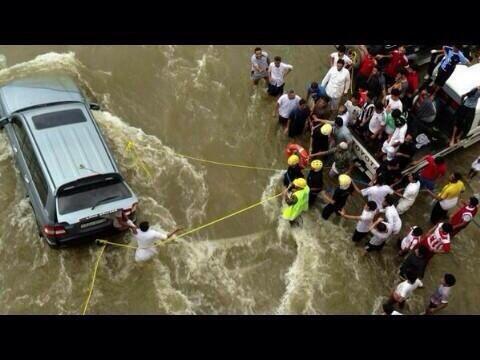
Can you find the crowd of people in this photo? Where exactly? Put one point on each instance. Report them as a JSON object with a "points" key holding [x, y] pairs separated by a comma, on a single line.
{"points": [[385, 106]]}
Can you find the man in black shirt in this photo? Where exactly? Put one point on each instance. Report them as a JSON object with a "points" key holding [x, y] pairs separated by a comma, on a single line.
{"points": [[320, 138], [342, 192], [294, 170], [297, 122], [390, 171], [417, 261], [315, 181]]}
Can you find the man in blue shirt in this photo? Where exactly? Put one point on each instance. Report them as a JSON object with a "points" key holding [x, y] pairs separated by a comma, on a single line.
{"points": [[453, 56]]}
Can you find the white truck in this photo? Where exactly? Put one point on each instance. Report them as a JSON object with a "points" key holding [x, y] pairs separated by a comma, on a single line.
{"points": [[448, 99]]}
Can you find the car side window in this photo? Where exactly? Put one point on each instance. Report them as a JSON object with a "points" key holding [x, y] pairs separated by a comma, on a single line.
{"points": [[31, 160]]}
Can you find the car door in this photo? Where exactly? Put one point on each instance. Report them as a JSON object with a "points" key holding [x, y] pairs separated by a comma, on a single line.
{"points": [[30, 171]]}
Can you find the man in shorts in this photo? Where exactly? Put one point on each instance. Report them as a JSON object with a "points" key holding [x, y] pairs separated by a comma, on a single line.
{"points": [[260, 62], [439, 300]]}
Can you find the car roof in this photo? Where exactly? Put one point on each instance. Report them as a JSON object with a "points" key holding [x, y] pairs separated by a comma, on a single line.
{"points": [[37, 90], [463, 79], [63, 149]]}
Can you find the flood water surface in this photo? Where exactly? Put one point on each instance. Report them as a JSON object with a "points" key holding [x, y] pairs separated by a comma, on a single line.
{"points": [[198, 101]]}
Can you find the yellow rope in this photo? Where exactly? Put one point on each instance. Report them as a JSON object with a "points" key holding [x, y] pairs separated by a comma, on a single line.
{"points": [[131, 147], [92, 284], [164, 242]]}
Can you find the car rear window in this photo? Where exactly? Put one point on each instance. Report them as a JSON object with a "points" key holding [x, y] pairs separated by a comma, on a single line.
{"points": [[87, 196], [58, 118]]}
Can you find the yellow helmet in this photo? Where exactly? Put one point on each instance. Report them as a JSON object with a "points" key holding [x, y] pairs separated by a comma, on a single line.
{"points": [[316, 164], [293, 160], [326, 129], [300, 182], [344, 180]]}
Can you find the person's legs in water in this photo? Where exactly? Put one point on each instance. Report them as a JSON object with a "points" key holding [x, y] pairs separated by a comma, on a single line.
{"points": [[328, 211], [438, 214]]}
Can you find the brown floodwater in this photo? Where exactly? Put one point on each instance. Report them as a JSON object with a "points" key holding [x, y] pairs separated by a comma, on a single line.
{"points": [[199, 101]]}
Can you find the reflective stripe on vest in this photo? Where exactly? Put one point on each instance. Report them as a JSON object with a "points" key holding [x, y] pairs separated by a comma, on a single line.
{"points": [[293, 211]]}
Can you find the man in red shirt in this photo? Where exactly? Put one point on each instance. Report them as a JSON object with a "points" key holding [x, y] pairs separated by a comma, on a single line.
{"points": [[398, 59], [463, 216], [412, 78], [365, 70], [435, 169], [437, 240]]}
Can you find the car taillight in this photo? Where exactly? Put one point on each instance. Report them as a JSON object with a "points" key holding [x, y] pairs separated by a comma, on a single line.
{"points": [[128, 212], [54, 230]]}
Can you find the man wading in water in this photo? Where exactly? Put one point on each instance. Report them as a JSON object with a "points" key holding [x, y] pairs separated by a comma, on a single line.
{"points": [[296, 197]]}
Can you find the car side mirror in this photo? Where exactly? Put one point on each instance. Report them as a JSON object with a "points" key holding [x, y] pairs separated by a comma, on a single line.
{"points": [[4, 121], [94, 106]]}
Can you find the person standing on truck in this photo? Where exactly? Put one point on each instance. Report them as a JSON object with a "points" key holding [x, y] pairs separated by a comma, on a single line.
{"points": [[447, 198], [368, 109], [342, 159], [434, 170], [465, 114], [285, 105], [406, 151], [376, 83], [337, 83], [423, 112], [398, 60], [146, 241], [397, 138], [401, 83], [277, 71], [376, 125], [260, 62], [464, 216], [365, 70], [453, 56]]}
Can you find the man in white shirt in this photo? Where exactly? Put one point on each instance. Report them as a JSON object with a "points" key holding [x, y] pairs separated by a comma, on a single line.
{"points": [[409, 194], [377, 122], [260, 62], [340, 54], [390, 146], [391, 214], [337, 83], [393, 101], [145, 238], [364, 220], [377, 192], [277, 71], [381, 231], [405, 289], [285, 105]]}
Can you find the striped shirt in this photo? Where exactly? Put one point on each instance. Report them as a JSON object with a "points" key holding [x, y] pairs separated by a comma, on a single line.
{"points": [[367, 112]]}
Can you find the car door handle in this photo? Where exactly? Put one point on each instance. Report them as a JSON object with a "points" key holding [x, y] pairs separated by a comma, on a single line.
{"points": [[26, 179], [15, 150]]}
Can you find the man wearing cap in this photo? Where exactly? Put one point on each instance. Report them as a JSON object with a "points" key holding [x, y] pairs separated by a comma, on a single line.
{"points": [[342, 159], [315, 180], [320, 138], [340, 196], [293, 171], [296, 196]]}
